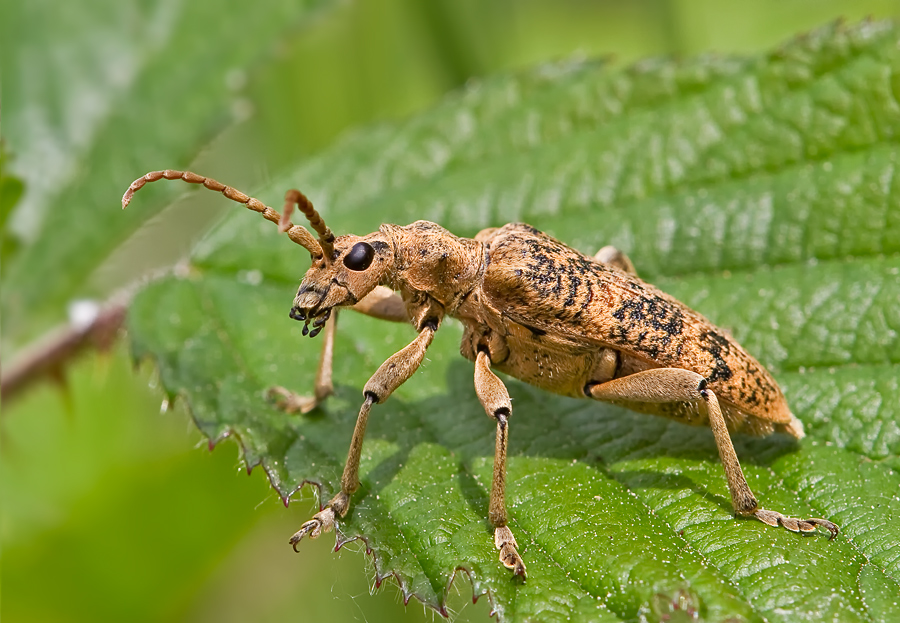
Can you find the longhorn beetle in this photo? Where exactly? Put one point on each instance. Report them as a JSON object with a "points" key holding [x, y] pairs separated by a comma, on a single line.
{"points": [[537, 310]]}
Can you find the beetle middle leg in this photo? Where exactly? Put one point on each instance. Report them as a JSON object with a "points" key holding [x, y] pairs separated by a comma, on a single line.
{"points": [[667, 385], [495, 399], [612, 256], [381, 303], [395, 371]]}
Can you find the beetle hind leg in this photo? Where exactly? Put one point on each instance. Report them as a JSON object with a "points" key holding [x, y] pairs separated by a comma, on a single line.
{"points": [[669, 385]]}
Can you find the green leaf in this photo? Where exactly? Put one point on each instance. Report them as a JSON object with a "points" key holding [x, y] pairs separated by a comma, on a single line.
{"points": [[760, 191], [11, 189], [144, 85]]}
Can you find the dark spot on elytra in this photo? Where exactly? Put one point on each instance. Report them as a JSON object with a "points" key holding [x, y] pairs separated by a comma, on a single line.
{"points": [[755, 388], [718, 346], [574, 284], [590, 296], [618, 335], [649, 325], [651, 311]]}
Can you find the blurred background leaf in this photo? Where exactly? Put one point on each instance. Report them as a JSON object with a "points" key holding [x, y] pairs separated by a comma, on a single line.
{"points": [[11, 189], [93, 93], [258, 92]]}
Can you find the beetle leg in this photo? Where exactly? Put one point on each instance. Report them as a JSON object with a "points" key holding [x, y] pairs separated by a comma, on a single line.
{"points": [[615, 258], [381, 303], [384, 304], [288, 401], [391, 375], [607, 365], [664, 385], [495, 399]]}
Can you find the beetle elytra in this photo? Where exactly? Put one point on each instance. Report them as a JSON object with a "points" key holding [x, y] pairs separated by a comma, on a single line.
{"points": [[536, 310]]}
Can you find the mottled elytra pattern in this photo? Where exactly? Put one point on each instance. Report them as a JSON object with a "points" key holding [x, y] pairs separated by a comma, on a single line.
{"points": [[541, 282]]}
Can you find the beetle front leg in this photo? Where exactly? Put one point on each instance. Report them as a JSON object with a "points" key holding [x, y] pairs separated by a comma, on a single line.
{"points": [[391, 375], [666, 385], [291, 402], [495, 399]]}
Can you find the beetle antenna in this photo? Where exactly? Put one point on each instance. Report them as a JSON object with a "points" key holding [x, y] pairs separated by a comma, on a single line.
{"points": [[326, 238], [297, 233]]}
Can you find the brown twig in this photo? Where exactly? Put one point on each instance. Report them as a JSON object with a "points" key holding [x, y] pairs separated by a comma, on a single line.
{"points": [[48, 357]]}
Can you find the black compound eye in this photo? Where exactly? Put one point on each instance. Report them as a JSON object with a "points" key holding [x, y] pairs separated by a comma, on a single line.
{"points": [[360, 256]]}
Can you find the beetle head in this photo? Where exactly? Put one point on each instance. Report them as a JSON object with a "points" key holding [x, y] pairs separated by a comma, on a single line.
{"points": [[344, 269], [356, 266]]}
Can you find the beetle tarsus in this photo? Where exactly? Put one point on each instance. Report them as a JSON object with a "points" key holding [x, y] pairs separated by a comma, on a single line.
{"points": [[774, 518], [506, 543], [290, 402], [322, 522]]}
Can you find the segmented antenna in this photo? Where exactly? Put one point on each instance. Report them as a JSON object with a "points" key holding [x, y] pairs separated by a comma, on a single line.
{"points": [[318, 248], [326, 238]]}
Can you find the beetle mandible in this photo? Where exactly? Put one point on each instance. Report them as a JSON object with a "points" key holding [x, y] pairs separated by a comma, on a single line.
{"points": [[537, 310]]}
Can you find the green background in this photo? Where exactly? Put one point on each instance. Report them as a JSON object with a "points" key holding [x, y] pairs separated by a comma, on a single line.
{"points": [[112, 511]]}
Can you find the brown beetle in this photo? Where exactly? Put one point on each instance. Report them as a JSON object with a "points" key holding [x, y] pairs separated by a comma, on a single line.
{"points": [[531, 307]]}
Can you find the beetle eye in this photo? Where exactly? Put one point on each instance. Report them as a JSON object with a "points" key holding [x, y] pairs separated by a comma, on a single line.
{"points": [[360, 256]]}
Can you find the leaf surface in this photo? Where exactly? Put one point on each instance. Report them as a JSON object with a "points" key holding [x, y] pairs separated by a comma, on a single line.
{"points": [[760, 191]]}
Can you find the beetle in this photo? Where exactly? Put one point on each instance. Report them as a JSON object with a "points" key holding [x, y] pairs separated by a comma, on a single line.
{"points": [[537, 310]]}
